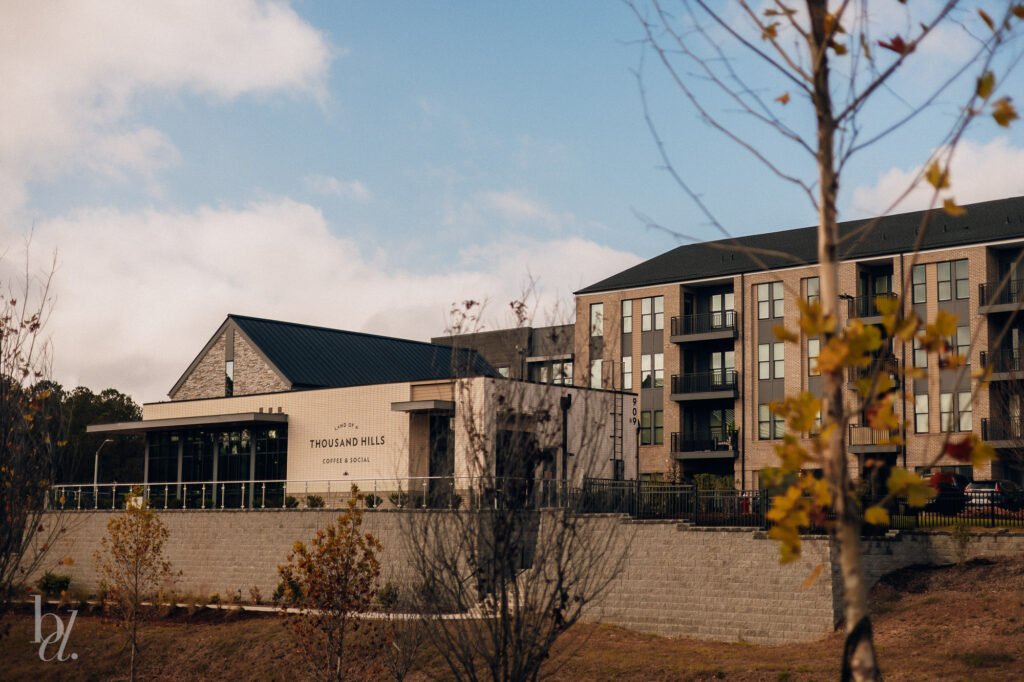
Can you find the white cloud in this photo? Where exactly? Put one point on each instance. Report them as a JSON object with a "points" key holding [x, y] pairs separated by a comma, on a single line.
{"points": [[72, 71], [139, 293], [979, 172], [514, 207], [331, 186]]}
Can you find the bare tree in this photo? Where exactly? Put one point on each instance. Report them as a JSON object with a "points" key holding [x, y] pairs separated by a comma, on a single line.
{"points": [[500, 579], [827, 58], [31, 431]]}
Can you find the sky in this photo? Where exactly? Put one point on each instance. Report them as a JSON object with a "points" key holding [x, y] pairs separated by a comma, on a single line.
{"points": [[366, 164]]}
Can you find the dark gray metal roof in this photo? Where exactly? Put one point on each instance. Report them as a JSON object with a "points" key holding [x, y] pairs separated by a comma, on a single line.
{"points": [[983, 222], [318, 357]]}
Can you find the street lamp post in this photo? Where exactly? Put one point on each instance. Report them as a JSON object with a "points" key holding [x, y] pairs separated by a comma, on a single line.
{"points": [[96, 467]]}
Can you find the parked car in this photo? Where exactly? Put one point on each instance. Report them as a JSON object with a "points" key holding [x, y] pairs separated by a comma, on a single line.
{"points": [[951, 498], [1005, 494]]}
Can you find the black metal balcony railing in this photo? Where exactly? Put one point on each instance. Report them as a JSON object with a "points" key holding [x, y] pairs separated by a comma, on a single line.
{"points": [[865, 306], [701, 441], [861, 435], [703, 323], [990, 294], [704, 382], [1004, 360], [1003, 428], [887, 365]]}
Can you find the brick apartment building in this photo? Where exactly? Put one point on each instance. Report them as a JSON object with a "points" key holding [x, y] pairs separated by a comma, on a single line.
{"points": [[691, 332]]}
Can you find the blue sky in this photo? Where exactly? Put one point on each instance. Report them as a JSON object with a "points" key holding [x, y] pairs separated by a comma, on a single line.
{"points": [[365, 164]]}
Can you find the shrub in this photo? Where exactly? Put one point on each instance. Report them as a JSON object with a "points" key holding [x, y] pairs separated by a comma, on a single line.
{"points": [[255, 596], [373, 501], [288, 592], [215, 598], [388, 596], [314, 502], [51, 583], [291, 502]]}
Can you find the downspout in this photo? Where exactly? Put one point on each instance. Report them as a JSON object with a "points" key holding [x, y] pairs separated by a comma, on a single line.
{"points": [[903, 363], [743, 387], [565, 402]]}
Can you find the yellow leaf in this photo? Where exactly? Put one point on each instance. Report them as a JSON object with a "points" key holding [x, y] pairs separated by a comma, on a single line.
{"points": [[783, 98], [945, 324], [985, 85], [838, 47], [981, 453], [907, 484], [1018, 11], [950, 207], [876, 516], [770, 31], [1004, 112], [783, 334], [813, 577], [937, 177]]}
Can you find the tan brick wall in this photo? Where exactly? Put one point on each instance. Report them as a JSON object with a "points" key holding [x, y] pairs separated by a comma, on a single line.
{"points": [[252, 373], [207, 378]]}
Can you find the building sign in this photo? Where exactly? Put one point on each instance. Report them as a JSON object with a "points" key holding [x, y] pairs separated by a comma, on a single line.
{"points": [[347, 441]]}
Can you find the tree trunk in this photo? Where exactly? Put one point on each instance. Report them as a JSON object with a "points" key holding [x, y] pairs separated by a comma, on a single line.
{"points": [[859, 661]]}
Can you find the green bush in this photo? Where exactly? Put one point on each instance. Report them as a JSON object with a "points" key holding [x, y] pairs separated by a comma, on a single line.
{"points": [[373, 501], [388, 595], [291, 502], [287, 592], [314, 501], [51, 583]]}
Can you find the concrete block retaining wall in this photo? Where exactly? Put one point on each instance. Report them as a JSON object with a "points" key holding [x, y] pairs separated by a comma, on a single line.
{"points": [[721, 584]]}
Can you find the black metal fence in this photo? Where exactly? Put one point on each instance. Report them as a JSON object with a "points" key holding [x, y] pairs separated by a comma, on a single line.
{"points": [[1008, 427], [1003, 360], [990, 293], [865, 306], [704, 382], [703, 323], [748, 509]]}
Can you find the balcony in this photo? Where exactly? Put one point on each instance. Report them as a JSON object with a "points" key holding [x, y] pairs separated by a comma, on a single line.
{"points": [[887, 364], [1006, 364], [720, 324], [993, 299], [709, 444], [1003, 432], [714, 385], [866, 440], [865, 307]]}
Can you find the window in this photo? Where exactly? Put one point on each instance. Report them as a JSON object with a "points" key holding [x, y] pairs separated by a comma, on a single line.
{"points": [[229, 378], [964, 407], [813, 349], [627, 373], [921, 413], [919, 284], [645, 427], [763, 304], [771, 357], [721, 309], [813, 290], [595, 373], [769, 300], [920, 354], [777, 302], [779, 422], [764, 423], [960, 343], [945, 411], [503, 371], [561, 373], [652, 370], [596, 319], [543, 378], [659, 427], [953, 279], [652, 313], [627, 317], [723, 365]]}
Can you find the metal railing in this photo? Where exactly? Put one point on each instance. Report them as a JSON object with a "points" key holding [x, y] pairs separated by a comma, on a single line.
{"points": [[703, 323], [705, 382], [1003, 360], [887, 364], [865, 435], [701, 441], [1003, 428], [865, 306], [438, 492], [990, 294]]}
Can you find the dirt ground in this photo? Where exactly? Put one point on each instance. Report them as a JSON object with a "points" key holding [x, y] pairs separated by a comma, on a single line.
{"points": [[951, 623]]}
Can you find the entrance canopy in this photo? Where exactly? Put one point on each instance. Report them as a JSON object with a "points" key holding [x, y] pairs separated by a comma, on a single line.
{"points": [[241, 419]]}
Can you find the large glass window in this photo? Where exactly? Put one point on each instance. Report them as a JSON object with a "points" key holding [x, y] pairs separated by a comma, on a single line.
{"points": [[965, 420], [813, 349], [627, 373], [229, 378], [721, 304], [920, 354], [919, 284], [921, 413], [763, 301], [813, 290], [659, 370], [652, 313], [945, 411], [659, 427], [779, 359], [595, 373], [627, 317], [953, 279], [652, 370], [659, 312], [764, 422], [597, 319], [777, 301], [764, 361], [645, 427], [962, 279], [646, 362], [723, 364]]}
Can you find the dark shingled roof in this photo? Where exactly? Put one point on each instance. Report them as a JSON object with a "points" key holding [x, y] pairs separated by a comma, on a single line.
{"points": [[983, 222], [318, 357]]}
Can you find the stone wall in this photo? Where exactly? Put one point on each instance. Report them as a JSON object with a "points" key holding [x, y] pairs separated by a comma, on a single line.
{"points": [[206, 380], [721, 584]]}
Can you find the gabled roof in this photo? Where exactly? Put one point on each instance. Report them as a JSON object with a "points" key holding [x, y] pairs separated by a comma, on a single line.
{"points": [[319, 357], [983, 222]]}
